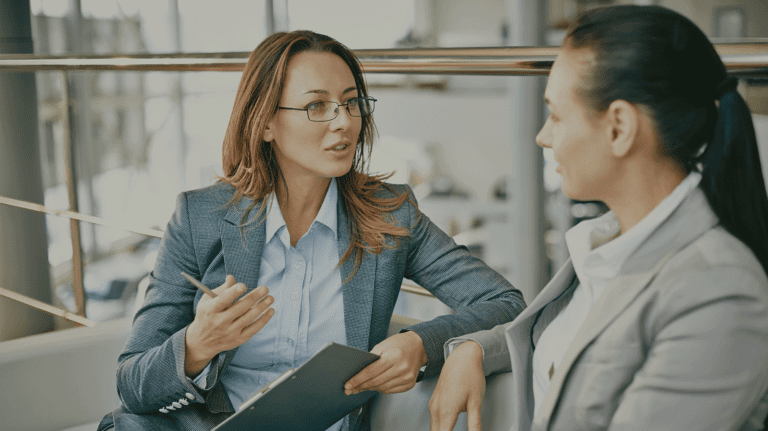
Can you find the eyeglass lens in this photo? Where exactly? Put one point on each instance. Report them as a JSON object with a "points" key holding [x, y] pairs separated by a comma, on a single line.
{"points": [[324, 111]]}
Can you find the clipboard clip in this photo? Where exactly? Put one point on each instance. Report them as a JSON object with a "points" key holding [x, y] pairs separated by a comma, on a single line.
{"points": [[267, 387]]}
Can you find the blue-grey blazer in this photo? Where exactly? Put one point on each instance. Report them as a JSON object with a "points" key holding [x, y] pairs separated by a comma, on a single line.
{"points": [[205, 238]]}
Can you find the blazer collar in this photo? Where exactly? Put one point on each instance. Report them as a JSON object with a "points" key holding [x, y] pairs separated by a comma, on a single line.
{"points": [[688, 222]]}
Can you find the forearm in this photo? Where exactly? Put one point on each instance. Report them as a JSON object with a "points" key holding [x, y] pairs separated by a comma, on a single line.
{"points": [[151, 380], [469, 320]]}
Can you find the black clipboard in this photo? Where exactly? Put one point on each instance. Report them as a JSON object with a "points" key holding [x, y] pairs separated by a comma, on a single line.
{"points": [[310, 397]]}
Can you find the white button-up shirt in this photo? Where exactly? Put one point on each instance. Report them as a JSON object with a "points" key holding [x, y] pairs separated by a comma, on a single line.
{"points": [[597, 252]]}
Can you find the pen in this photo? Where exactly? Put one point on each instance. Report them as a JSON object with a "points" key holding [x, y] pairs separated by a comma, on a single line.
{"points": [[198, 285]]}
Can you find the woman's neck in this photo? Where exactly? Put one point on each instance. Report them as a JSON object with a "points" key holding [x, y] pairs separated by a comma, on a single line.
{"points": [[300, 201], [643, 187]]}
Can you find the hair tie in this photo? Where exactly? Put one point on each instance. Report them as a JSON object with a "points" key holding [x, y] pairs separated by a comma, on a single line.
{"points": [[729, 84]]}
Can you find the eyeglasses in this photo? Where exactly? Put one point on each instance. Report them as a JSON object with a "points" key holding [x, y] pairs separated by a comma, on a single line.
{"points": [[327, 111]]}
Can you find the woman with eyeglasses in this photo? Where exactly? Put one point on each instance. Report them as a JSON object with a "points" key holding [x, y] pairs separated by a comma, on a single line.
{"points": [[306, 247], [659, 321]]}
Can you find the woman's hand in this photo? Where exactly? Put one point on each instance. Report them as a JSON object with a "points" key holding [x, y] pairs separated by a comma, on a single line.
{"points": [[401, 357], [225, 322], [460, 388]]}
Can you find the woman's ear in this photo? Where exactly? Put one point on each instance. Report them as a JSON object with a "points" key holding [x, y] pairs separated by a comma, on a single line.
{"points": [[269, 134], [623, 122]]}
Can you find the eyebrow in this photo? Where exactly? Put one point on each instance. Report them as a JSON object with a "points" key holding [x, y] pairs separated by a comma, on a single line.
{"points": [[326, 91]]}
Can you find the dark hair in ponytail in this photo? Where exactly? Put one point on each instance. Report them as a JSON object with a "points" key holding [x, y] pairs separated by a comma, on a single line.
{"points": [[655, 57]]}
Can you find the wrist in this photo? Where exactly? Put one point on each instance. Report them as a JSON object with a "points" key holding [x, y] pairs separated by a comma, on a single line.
{"points": [[471, 349], [195, 358], [419, 346]]}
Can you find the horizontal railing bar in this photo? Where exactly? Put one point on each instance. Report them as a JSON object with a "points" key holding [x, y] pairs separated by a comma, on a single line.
{"points": [[82, 217], [143, 231], [742, 59], [42, 306]]}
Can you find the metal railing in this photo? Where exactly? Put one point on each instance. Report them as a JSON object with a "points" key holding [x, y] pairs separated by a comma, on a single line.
{"points": [[741, 60]]}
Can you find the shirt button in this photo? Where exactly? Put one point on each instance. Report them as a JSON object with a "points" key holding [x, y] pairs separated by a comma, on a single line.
{"points": [[190, 396], [184, 401], [294, 295], [163, 410], [176, 405], [297, 265], [290, 342]]}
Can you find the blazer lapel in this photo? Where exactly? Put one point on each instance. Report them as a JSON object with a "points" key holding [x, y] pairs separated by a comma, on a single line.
{"points": [[518, 339], [357, 292], [243, 247]]}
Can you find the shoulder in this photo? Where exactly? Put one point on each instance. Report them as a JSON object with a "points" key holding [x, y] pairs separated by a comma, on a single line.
{"points": [[211, 199], [715, 266], [389, 190]]}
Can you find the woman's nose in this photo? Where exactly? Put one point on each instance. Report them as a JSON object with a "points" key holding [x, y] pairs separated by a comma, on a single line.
{"points": [[542, 138], [343, 118]]}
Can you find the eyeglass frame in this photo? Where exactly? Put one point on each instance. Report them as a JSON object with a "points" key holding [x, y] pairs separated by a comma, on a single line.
{"points": [[338, 105]]}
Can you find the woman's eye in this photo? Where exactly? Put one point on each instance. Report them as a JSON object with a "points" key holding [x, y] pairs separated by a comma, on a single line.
{"points": [[315, 106]]}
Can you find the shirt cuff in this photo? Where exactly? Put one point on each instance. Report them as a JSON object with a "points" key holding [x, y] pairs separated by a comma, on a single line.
{"points": [[199, 381], [453, 343]]}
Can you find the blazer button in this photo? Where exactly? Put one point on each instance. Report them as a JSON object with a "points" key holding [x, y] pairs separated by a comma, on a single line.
{"points": [[190, 396], [175, 404], [163, 410]]}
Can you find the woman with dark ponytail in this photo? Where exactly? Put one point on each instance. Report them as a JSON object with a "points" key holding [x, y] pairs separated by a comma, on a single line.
{"points": [[660, 319]]}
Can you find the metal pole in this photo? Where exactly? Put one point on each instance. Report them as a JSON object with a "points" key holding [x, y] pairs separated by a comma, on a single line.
{"points": [[23, 240], [741, 59], [527, 168], [78, 288]]}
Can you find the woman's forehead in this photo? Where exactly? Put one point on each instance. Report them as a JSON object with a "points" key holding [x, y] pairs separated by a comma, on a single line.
{"points": [[318, 73], [566, 74]]}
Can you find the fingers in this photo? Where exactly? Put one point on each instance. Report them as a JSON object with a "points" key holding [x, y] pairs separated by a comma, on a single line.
{"points": [[443, 421], [250, 314], [359, 381], [245, 303], [228, 295], [250, 330], [474, 417], [228, 282]]}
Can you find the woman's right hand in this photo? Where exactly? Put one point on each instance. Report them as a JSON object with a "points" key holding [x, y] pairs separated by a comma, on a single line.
{"points": [[225, 322], [460, 388]]}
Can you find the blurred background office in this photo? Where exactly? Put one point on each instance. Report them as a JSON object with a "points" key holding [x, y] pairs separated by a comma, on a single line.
{"points": [[120, 145], [463, 142]]}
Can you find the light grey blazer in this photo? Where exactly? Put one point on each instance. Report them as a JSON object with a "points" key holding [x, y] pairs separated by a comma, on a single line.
{"points": [[204, 239], [678, 341]]}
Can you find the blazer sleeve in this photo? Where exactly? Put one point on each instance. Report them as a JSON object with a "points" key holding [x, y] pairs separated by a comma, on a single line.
{"points": [[150, 373], [707, 365], [479, 296], [495, 348]]}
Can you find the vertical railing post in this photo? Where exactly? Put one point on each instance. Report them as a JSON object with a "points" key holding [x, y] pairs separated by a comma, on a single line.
{"points": [[24, 266], [78, 288]]}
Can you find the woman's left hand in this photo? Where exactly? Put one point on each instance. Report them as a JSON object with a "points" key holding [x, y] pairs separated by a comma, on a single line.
{"points": [[401, 357]]}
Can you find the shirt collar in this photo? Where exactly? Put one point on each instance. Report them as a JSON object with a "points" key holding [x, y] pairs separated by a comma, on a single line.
{"points": [[326, 216], [598, 251]]}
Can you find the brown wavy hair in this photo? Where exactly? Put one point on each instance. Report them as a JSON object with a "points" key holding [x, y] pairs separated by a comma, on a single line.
{"points": [[249, 164]]}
